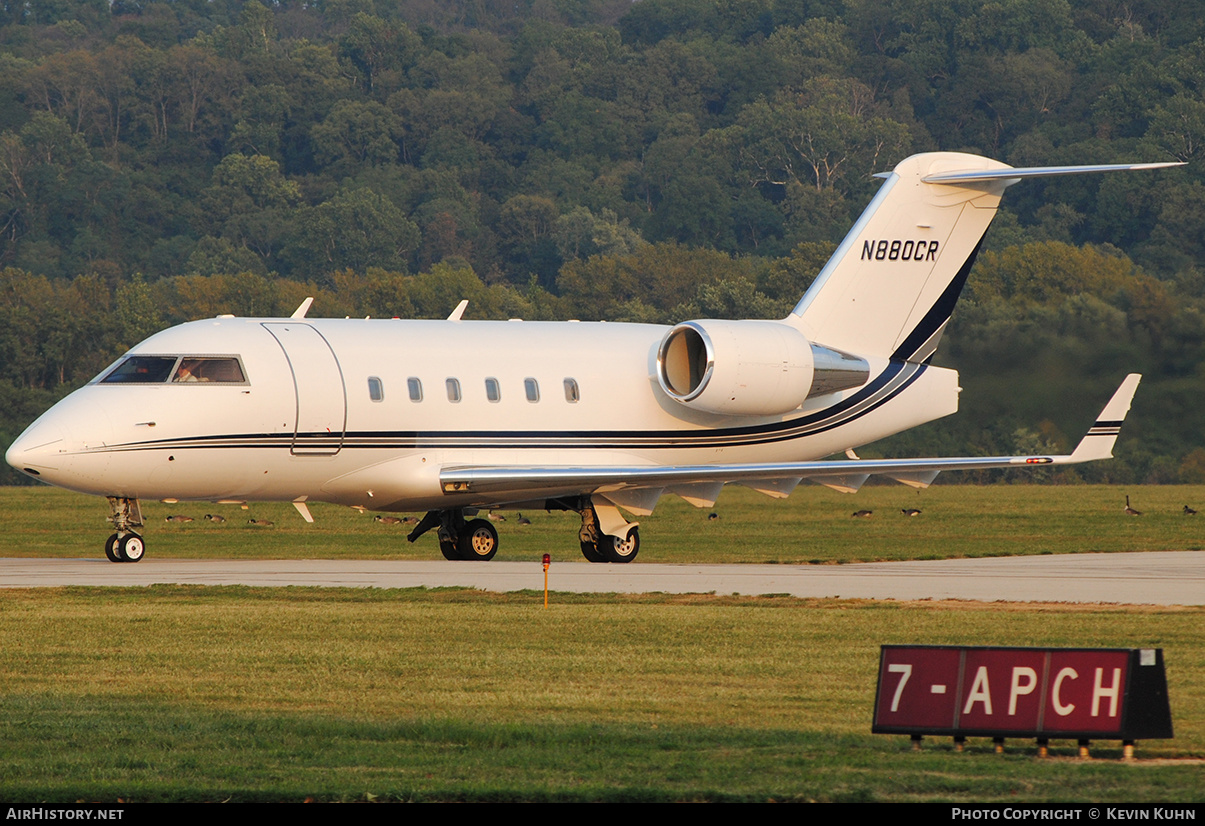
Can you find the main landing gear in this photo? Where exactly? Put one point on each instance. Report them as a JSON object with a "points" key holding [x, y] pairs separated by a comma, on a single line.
{"points": [[458, 539], [125, 545], [599, 546], [605, 536]]}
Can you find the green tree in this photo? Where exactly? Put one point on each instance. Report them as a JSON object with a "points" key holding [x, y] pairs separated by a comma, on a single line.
{"points": [[355, 135], [376, 47], [822, 136], [354, 230], [248, 203]]}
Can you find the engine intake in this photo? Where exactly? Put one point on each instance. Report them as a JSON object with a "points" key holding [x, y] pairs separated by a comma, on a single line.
{"points": [[750, 368]]}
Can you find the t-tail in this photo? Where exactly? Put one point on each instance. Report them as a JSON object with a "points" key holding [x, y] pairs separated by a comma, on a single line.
{"points": [[889, 289]]}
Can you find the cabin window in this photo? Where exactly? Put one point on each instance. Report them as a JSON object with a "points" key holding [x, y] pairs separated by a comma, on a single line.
{"points": [[492, 391], [453, 386], [532, 389], [376, 390], [572, 394], [416, 389], [141, 370]]}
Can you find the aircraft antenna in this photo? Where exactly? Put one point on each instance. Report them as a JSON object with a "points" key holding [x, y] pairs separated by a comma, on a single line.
{"points": [[303, 308]]}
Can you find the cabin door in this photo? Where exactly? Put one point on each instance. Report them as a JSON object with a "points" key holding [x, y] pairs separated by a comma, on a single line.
{"points": [[318, 380]]}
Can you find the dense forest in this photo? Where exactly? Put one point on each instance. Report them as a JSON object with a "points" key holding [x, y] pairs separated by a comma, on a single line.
{"points": [[606, 159]]}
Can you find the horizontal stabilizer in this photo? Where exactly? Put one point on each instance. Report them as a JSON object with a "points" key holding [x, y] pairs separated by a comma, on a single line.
{"points": [[1015, 174]]}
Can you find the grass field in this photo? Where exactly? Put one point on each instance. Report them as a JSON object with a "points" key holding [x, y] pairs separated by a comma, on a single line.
{"points": [[814, 525], [192, 693], [237, 694]]}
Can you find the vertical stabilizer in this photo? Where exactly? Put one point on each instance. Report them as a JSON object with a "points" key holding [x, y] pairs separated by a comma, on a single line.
{"points": [[889, 288], [891, 285]]}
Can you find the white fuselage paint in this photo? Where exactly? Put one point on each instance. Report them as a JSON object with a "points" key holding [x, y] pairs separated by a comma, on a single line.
{"points": [[303, 426]]}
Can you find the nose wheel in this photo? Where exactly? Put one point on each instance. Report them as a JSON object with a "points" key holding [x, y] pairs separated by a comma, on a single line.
{"points": [[131, 547], [128, 548]]}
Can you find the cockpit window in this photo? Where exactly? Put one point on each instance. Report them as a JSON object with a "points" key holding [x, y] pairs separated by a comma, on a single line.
{"points": [[224, 370], [160, 369], [141, 370]]}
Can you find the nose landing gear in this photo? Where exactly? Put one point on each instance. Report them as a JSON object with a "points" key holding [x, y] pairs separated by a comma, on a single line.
{"points": [[125, 545]]}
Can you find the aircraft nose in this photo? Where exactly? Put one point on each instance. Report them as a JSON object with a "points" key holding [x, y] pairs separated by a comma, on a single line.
{"points": [[56, 447], [37, 449]]}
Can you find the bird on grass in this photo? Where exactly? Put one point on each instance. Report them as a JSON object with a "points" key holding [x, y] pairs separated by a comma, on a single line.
{"points": [[861, 514], [1189, 511], [910, 511], [213, 517], [387, 520], [177, 518], [260, 523], [1130, 511], [523, 520]]}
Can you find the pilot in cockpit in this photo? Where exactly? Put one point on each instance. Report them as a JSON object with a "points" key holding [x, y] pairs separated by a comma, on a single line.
{"points": [[188, 371]]}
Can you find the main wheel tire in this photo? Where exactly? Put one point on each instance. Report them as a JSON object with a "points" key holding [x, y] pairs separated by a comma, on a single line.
{"points": [[478, 541], [448, 548], [591, 553], [111, 548], [621, 550], [131, 547]]}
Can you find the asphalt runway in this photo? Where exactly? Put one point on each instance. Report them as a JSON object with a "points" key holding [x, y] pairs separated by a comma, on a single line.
{"points": [[1157, 578]]}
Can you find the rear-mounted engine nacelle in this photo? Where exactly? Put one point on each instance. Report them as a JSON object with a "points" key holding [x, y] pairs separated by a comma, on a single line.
{"points": [[751, 368]]}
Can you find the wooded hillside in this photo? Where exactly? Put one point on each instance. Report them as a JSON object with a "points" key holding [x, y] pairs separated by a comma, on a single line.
{"points": [[600, 159]]}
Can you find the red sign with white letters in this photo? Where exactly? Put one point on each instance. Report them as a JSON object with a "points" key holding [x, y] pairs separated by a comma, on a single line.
{"points": [[1039, 692]]}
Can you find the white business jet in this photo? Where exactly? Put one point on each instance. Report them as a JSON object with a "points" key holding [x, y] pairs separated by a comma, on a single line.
{"points": [[452, 417]]}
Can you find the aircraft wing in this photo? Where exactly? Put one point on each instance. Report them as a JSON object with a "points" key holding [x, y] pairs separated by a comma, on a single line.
{"points": [[638, 487]]}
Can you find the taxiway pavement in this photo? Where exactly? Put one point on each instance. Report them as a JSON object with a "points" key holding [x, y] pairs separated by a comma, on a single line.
{"points": [[1156, 578]]}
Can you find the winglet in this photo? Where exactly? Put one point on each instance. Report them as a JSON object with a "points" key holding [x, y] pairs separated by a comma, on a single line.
{"points": [[303, 308], [459, 311], [1099, 441]]}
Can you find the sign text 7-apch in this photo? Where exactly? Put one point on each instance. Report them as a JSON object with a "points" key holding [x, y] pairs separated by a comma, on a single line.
{"points": [[1072, 693]]}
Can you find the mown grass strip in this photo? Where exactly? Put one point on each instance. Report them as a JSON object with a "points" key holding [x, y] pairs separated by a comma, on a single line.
{"points": [[814, 525], [193, 693]]}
